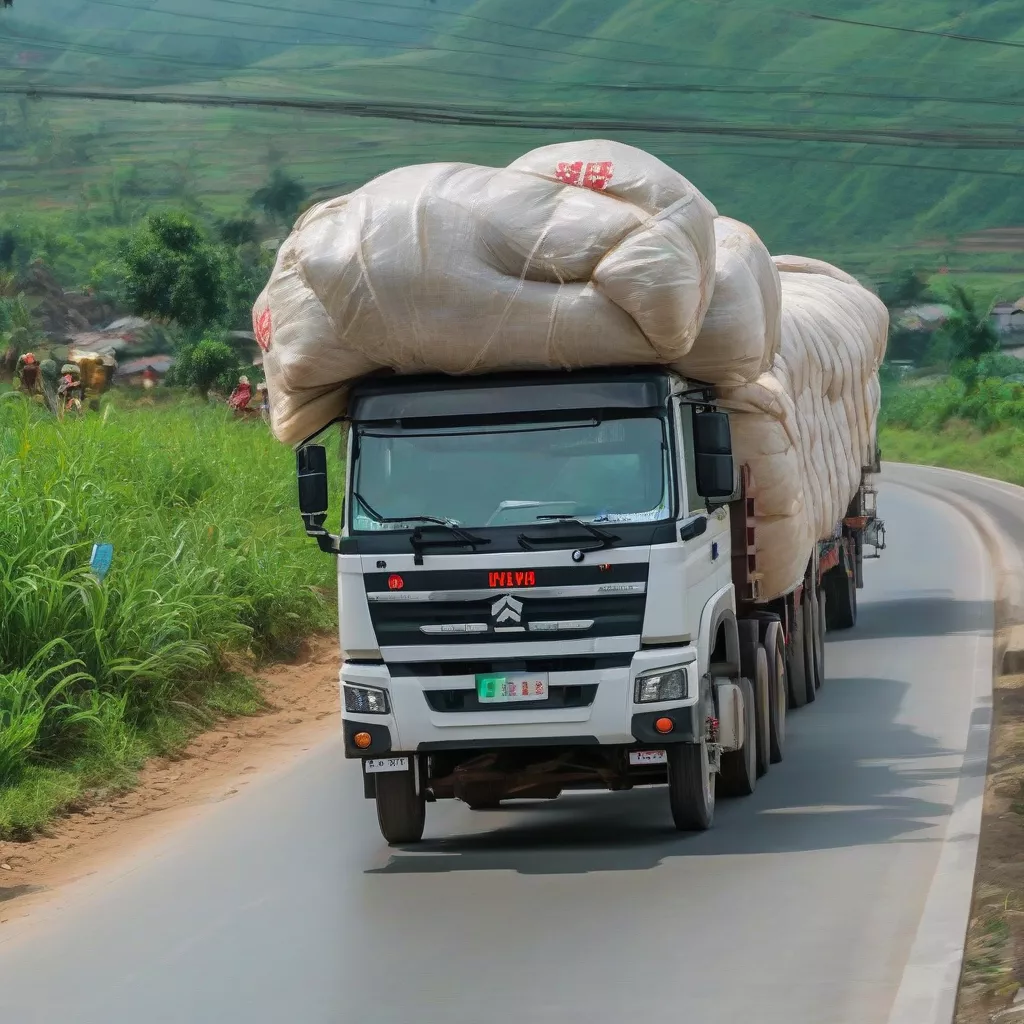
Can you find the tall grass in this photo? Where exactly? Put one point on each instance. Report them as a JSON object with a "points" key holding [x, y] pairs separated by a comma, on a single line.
{"points": [[209, 559], [947, 424]]}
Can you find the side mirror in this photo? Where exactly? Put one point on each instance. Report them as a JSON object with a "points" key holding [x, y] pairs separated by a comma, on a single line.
{"points": [[713, 462], [311, 461]]}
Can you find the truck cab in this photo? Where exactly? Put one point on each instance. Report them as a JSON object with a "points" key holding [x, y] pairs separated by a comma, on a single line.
{"points": [[537, 592]]}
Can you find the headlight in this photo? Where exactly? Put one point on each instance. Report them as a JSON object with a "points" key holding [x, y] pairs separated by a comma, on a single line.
{"points": [[365, 700], [670, 685]]}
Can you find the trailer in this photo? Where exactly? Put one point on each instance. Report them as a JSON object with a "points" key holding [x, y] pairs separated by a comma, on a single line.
{"points": [[548, 581]]}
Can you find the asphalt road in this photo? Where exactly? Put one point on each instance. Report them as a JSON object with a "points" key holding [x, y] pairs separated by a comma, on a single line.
{"points": [[800, 906]]}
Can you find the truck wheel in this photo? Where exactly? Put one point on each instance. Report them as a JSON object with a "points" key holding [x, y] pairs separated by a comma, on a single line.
{"points": [[691, 786], [754, 666], [401, 811], [809, 632], [840, 598], [775, 648], [762, 711], [821, 610], [796, 664], [738, 775], [816, 646]]}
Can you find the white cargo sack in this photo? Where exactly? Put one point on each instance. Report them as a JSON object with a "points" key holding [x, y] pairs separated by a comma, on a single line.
{"points": [[806, 428], [462, 269]]}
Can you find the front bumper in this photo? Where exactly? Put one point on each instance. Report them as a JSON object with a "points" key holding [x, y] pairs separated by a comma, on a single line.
{"points": [[610, 718]]}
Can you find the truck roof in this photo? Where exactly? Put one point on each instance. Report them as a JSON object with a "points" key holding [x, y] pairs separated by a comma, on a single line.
{"points": [[437, 395]]}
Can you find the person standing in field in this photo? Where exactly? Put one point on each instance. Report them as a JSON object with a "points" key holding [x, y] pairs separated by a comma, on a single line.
{"points": [[241, 397], [149, 378], [28, 374]]}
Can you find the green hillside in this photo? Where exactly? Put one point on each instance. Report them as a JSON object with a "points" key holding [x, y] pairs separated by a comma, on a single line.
{"points": [[853, 142]]}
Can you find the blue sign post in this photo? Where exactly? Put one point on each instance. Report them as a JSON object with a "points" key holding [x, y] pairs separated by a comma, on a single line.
{"points": [[102, 554]]}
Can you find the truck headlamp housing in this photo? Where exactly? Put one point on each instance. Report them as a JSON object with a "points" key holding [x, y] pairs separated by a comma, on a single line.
{"points": [[366, 700], [669, 684]]}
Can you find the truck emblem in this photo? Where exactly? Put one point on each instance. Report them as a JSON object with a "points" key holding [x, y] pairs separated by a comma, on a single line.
{"points": [[507, 609]]}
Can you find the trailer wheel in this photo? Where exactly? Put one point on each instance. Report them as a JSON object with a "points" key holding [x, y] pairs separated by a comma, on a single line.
{"points": [[738, 775], [401, 811], [691, 786], [754, 666], [796, 664], [775, 649], [820, 611], [809, 631], [841, 597], [816, 637]]}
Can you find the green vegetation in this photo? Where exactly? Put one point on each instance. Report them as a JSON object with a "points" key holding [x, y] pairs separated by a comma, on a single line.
{"points": [[734, 65], [210, 570]]}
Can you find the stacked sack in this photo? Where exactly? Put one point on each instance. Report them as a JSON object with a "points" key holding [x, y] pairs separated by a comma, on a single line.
{"points": [[579, 255]]}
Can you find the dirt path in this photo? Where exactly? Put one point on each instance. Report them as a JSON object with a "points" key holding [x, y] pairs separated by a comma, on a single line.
{"points": [[214, 767]]}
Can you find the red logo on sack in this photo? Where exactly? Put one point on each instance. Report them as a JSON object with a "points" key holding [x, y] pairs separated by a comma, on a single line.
{"points": [[595, 175], [261, 326]]}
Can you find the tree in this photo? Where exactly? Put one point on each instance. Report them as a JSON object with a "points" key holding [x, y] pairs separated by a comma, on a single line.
{"points": [[173, 272], [202, 365], [905, 289], [238, 231], [281, 198], [970, 334]]}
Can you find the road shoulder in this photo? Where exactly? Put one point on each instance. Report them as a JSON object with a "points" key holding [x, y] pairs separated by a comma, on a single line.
{"points": [[216, 765]]}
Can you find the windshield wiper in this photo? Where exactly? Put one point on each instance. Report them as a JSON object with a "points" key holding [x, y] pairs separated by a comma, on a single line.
{"points": [[459, 536], [602, 538]]}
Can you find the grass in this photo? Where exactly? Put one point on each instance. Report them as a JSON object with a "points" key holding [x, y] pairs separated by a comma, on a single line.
{"points": [[210, 570], [942, 424]]}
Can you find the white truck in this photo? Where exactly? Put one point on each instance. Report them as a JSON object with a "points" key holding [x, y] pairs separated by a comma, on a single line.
{"points": [[548, 581]]}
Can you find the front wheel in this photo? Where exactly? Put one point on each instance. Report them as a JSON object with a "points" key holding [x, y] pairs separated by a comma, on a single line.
{"points": [[691, 786], [401, 811]]}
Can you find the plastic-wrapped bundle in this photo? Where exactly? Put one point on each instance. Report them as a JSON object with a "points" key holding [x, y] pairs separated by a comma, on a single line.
{"points": [[806, 428], [740, 335], [588, 254]]}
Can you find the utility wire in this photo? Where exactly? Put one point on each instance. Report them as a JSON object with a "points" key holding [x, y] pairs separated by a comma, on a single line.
{"points": [[996, 138]]}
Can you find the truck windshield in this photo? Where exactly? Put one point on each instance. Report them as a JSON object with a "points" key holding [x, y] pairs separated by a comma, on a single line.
{"points": [[511, 474]]}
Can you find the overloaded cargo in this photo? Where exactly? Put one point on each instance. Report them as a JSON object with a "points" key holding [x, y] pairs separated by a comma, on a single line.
{"points": [[577, 255]]}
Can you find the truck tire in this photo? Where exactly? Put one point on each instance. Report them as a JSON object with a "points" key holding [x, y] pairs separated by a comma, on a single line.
{"points": [[691, 786], [809, 632], [775, 648], [796, 664], [816, 647], [840, 598], [821, 610], [401, 811], [754, 666], [738, 775]]}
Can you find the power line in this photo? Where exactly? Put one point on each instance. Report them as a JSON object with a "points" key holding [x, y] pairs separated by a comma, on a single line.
{"points": [[958, 36], [996, 138]]}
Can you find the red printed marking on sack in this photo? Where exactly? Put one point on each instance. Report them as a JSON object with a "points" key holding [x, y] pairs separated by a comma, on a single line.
{"points": [[571, 174], [595, 175], [598, 175], [261, 328]]}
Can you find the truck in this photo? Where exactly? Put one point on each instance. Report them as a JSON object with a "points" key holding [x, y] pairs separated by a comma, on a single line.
{"points": [[548, 581]]}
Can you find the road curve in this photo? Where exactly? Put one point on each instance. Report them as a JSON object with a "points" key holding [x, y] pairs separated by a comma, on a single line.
{"points": [[800, 907]]}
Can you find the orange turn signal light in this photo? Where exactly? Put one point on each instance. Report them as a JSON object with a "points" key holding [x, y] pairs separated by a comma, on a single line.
{"points": [[362, 740], [664, 725]]}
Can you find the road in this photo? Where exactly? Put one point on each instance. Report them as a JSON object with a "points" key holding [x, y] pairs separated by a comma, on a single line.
{"points": [[800, 906]]}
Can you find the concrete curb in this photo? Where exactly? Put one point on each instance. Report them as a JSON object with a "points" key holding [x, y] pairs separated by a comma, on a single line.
{"points": [[931, 979]]}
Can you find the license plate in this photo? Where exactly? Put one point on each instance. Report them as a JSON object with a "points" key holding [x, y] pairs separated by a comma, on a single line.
{"points": [[507, 687], [648, 757], [385, 764]]}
